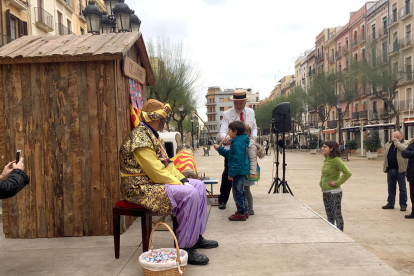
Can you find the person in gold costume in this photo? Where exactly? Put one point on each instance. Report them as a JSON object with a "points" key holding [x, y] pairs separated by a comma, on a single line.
{"points": [[150, 179]]}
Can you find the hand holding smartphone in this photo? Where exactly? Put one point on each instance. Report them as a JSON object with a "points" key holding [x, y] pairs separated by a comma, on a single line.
{"points": [[18, 156]]}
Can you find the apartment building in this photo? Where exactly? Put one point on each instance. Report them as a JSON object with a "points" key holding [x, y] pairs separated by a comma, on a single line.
{"points": [[59, 17], [401, 57], [14, 18]]}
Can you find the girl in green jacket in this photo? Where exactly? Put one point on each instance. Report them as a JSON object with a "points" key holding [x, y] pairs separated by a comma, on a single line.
{"points": [[331, 181]]}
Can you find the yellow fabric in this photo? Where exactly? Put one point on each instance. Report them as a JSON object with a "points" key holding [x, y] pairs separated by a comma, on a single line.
{"points": [[155, 169]]}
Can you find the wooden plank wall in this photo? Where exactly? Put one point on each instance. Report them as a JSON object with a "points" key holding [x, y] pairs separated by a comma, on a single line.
{"points": [[69, 120]]}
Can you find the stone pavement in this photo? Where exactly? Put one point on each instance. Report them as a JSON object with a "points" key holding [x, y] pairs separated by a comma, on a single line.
{"points": [[385, 233], [293, 239]]}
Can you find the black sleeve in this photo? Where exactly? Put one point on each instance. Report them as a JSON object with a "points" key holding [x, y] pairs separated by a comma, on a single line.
{"points": [[408, 152], [17, 180], [184, 180]]}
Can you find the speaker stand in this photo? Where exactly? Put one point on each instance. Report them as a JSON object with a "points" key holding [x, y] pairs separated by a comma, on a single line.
{"points": [[276, 180], [285, 186]]}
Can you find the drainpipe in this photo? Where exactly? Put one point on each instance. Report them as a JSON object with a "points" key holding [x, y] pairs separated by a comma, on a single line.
{"points": [[1, 18]]}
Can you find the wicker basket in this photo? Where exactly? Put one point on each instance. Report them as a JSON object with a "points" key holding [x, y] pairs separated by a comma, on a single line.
{"points": [[164, 269]]}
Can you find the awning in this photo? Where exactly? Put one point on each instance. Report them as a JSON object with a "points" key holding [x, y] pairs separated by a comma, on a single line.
{"points": [[409, 123], [327, 131], [351, 129], [380, 126]]}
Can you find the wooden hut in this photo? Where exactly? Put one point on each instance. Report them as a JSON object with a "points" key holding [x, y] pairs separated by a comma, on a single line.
{"points": [[64, 101]]}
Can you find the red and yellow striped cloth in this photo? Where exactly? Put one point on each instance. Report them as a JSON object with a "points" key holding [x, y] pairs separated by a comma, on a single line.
{"points": [[184, 160]]}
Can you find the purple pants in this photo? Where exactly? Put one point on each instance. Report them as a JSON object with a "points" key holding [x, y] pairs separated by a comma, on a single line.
{"points": [[190, 208]]}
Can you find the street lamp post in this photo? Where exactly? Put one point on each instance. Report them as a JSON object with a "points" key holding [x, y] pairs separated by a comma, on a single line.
{"points": [[192, 135], [182, 115], [339, 107]]}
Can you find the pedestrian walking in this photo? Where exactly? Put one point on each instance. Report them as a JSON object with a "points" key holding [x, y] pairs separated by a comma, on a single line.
{"points": [[331, 182], [409, 153], [239, 112], [395, 166], [266, 145]]}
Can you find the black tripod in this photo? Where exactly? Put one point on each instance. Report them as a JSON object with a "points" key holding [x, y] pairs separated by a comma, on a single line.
{"points": [[277, 182]]}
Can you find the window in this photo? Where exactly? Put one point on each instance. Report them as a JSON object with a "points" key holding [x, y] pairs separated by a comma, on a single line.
{"points": [[221, 118], [363, 54], [408, 35], [221, 100], [82, 31], [394, 12], [374, 57], [363, 32], [69, 24], [409, 99], [374, 107], [257, 99], [222, 108], [13, 28], [356, 57], [340, 67], [364, 106], [408, 68], [373, 32], [384, 24]]}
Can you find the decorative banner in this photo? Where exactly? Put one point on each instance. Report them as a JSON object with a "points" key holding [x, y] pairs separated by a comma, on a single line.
{"points": [[134, 71], [137, 102]]}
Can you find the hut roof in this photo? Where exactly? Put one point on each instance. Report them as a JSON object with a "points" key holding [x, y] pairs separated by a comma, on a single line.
{"points": [[75, 48]]}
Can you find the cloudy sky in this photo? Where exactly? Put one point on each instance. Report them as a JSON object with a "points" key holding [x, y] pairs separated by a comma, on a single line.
{"points": [[241, 43]]}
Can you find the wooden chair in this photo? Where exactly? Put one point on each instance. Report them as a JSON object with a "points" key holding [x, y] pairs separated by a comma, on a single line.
{"points": [[129, 209]]}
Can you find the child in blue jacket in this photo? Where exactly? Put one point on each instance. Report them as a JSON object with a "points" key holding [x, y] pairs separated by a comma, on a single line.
{"points": [[239, 166]]}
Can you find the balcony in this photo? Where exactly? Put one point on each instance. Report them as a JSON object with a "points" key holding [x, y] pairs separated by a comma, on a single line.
{"points": [[393, 20], [383, 32], [355, 116], [319, 57], [363, 114], [383, 58], [21, 5], [345, 50], [406, 42], [406, 12], [331, 58], [4, 39], [394, 47], [404, 105], [332, 124], [373, 115], [43, 19], [338, 54], [62, 30], [68, 4], [80, 15], [354, 43]]}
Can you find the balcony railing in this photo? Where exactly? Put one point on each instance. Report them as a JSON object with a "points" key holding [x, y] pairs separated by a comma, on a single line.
{"points": [[361, 38], [355, 116], [4, 39], [383, 32], [373, 115], [363, 114], [345, 50], [338, 54], [332, 124], [394, 47], [62, 30], [393, 19], [406, 41], [354, 42], [319, 57], [44, 19], [404, 105], [331, 58], [406, 10]]}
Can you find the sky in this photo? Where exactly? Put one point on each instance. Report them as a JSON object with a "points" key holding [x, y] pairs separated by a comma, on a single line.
{"points": [[241, 43]]}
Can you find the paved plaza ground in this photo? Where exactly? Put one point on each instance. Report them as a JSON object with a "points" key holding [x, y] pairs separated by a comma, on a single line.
{"points": [[295, 240], [385, 233]]}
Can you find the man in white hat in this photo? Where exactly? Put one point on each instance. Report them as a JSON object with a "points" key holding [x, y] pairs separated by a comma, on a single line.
{"points": [[239, 112]]}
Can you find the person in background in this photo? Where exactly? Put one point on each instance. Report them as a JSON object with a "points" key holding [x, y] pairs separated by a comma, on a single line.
{"points": [[331, 181], [13, 179], [280, 144], [253, 151], [266, 145], [239, 166], [239, 112], [395, 166], [409, 153]]}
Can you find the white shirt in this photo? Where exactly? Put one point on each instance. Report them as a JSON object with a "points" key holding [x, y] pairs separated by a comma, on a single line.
{"points": [[232, 115]]}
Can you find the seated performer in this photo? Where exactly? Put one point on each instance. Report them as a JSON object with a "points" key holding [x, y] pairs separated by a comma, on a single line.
{"points": [[151, 180]]}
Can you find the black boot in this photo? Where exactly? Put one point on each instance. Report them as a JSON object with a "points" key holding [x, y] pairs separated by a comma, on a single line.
{"points": [[194, 258], [203, 243], [410, 216]]}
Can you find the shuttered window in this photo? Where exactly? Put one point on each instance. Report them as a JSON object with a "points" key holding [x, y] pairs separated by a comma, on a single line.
{"points": [[15, 27]]}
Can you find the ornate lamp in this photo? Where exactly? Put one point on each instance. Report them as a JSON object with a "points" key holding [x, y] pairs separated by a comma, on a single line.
{"points": [[135, 23], [106, 24], [122, 14], [93, 18], [110, 5]]}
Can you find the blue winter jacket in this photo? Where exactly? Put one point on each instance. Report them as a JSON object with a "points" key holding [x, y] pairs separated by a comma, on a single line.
{"points": [[237, 155]]}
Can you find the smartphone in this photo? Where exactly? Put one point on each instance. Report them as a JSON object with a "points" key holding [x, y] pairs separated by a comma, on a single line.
{"points": [[18, 156]]}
